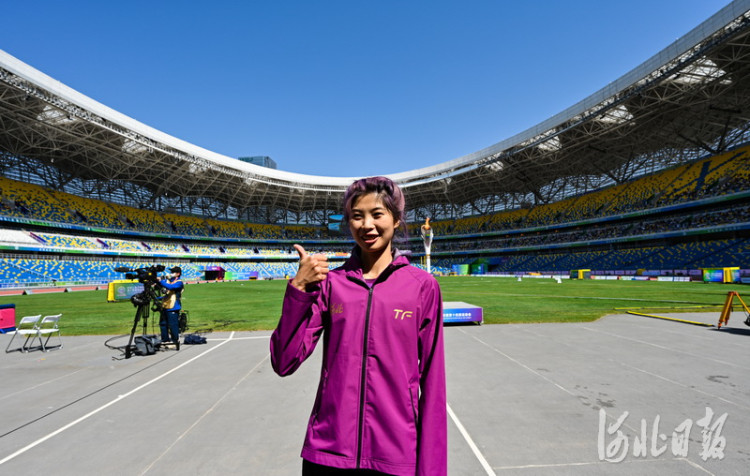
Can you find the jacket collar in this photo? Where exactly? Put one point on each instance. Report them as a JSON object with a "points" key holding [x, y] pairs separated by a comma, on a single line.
{"points": [[353, 265]]}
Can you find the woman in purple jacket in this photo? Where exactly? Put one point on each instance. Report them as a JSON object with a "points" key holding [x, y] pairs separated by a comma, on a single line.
{"points": [[381, 405]]}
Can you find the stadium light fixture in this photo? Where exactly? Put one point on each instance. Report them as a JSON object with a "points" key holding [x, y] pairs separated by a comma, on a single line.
{"points": [[132, 147], [494, 166], [617, 115], [700, 72], [546, 142], [53, 115], [550, 145]]}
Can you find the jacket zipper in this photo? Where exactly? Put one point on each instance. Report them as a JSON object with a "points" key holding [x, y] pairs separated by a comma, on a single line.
{"points": [[363, 378]]}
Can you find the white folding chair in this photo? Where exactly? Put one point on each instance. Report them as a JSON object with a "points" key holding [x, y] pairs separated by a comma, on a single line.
{"points": [[48, 326], [26, 327]]}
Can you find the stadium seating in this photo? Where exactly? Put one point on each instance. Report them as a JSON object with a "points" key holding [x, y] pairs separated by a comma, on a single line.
{"points": [[82, 240]]}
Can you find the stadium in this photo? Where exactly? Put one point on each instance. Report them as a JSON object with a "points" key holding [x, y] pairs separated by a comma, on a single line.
{"points": [[647, 179], [649, 173]]}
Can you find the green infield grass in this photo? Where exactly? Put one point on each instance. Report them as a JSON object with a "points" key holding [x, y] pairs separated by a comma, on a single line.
{"points": [[256, 305]]}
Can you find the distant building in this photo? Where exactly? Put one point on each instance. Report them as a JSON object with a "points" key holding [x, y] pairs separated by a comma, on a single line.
{"points": [[261, 160]]}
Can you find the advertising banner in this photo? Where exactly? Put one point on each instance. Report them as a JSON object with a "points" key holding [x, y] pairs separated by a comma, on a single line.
{"points": [[122, 290], [461, 312]]}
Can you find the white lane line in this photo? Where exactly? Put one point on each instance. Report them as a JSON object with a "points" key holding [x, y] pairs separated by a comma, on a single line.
{"points": [[686, 387], [662, 347], [107, 405], [41, 384], [242, 338], [593, 298], [603, 464], [522, 365], [666, 379], [470, 442], [205, 414], [526, 367], [697, 466]]}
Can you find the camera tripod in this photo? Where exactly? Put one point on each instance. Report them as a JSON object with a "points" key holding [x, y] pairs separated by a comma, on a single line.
{"points": [[142, 302]]}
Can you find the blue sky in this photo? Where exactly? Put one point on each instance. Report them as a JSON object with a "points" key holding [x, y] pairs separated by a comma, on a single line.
{"points": [[343, 88]]}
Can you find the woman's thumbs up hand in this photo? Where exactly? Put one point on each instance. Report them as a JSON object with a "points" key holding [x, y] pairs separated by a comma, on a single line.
{"points": [[312, 269]]}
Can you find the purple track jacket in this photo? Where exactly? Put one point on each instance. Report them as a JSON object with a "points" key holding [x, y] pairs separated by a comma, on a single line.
{"points": [[381, 400]]}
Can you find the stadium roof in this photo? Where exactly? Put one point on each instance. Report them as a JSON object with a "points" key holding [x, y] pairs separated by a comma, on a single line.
{"points": [[690, 99]]}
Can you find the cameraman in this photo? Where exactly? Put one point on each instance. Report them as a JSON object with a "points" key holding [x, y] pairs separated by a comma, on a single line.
{"points": [[171, 306]]}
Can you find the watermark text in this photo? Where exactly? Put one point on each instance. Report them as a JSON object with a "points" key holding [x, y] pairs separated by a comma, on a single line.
{"points": [[614, 445]]}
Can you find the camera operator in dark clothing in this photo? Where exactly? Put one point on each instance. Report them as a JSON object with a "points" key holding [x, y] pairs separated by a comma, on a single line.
{"points": [[171, 306]]}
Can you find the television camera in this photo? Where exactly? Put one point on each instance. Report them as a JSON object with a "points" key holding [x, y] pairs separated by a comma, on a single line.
{"points": [[147, 300], [149, 277]]}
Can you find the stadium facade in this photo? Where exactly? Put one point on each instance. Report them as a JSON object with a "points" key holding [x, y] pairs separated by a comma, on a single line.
{"points": [[687, 103]]}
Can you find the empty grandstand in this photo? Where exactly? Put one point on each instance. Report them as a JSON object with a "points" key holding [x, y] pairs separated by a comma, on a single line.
{"points": [[650, 175]]}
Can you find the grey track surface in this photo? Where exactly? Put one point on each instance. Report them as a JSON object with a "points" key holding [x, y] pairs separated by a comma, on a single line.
{"points": [[528, 397]]}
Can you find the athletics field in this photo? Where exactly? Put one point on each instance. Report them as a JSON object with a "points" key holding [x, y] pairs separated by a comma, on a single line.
{"points": [[256, 305]]}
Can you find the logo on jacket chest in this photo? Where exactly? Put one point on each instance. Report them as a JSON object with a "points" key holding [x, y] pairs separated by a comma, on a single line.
{"points": [[401, 314], [398, 314]]}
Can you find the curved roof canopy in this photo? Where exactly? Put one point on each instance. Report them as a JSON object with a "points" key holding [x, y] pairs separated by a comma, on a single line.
{"points": [[692, 98]]}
